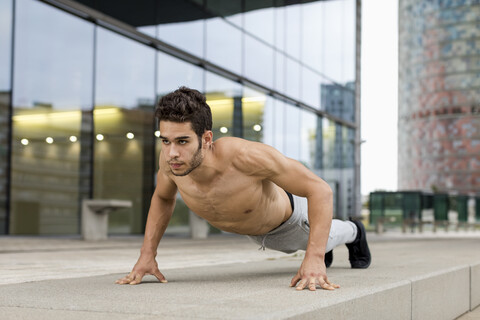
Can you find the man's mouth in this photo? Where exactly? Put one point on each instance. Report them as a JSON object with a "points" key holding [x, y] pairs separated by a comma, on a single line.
{"points": [[175, 165]]}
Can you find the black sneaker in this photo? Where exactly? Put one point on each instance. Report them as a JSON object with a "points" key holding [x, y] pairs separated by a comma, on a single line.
{"points": [[358, 252], [328, 258]]}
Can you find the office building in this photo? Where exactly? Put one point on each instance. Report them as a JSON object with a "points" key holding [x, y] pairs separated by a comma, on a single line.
{"points": [[79, 81], [439, 96]]}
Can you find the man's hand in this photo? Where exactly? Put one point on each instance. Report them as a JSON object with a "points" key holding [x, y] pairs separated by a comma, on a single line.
{"points": [[312, 272], [144, 265]]}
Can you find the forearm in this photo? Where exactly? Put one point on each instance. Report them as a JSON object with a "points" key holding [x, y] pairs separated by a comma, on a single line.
{"points": [[157, 221], [320, 212]]}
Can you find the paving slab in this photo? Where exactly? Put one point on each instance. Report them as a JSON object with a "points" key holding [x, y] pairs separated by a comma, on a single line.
{"points": [[230, 279]]}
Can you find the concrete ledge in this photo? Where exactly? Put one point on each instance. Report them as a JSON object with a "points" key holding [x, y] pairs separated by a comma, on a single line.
{"points": [[441, 295], [474, 286]]}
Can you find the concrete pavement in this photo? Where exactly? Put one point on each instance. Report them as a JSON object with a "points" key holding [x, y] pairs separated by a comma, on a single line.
{"points": [[412, 276]]}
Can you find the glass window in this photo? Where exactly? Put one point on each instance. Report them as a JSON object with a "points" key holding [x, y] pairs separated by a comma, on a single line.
{"points": [[348, 146], [5, 63], [292, 78], [279, 27], [329, 143], [310, 88], [258, 61], [339, 40], [260, 18], [224, 44], [254, 107], [124, 128], [292, 30], [292, 136], [187, 33], [308, 138], [51, 120], [349, 41], [312, 34], [225, 99], [339, 101], [279, 130], [279, 78], [173, 73]]}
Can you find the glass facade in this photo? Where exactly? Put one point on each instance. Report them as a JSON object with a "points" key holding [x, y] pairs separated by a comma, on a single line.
{"points": [[439, 82], [83, 97]]}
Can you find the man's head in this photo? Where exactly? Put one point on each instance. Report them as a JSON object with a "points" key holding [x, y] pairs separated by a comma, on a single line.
{"points": [[186, 105], [185, 129]]}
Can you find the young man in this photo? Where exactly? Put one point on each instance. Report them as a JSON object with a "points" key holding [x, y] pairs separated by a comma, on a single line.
{"points": [[243, 187]]}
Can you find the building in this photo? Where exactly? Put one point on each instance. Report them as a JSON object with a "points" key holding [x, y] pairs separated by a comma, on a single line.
{"points": [[439, 96], [79, 81]]}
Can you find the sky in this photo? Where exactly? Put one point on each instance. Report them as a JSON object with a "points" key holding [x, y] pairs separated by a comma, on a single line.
{"points": [[379, 67]]}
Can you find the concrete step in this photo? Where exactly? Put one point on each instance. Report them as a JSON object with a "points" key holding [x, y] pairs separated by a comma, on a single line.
{"points": [[409, 278]]}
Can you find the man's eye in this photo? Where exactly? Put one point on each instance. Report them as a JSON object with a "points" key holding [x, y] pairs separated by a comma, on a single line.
{"points": [[182, 141], [166, 142]]}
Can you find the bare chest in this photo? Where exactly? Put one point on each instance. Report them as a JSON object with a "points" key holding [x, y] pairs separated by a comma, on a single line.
{"points": [[229, 198]]}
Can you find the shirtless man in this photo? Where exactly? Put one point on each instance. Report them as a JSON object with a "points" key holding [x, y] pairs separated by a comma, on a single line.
{"points": [[242, 187]]}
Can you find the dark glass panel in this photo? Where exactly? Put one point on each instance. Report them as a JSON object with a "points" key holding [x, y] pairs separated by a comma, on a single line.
{"points": [[51, 120], [124, 128], [5, 92]]}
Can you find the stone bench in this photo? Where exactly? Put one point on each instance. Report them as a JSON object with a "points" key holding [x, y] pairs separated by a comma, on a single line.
{"points": [[95, 216]]}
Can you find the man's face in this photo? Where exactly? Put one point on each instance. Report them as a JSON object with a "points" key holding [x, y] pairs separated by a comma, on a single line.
{"points": [[181, 147]]}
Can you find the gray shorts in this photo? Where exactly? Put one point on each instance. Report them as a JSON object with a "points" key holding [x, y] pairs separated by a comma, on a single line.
{"points": [[290, 236]]}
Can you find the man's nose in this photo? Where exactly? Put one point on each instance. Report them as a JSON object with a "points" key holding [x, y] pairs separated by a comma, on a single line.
{"points": [[173, 152]]}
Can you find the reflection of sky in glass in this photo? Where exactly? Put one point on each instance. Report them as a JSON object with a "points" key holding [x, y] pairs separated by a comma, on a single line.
{"points": [[260, 23], [174, 73], [292, 132], [125, 71], [5, 43], [53, 57], [292, 30], [224, 44], [308, 138], [258, 61], [187, 36]]}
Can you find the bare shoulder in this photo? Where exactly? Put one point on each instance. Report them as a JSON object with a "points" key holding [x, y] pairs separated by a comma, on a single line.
{"points": [[250, 157]]}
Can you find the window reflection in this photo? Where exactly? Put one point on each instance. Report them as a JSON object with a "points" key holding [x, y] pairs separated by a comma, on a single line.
{"points": [[259, 19], [255, 104], [224, 44], [308, 139], [49, 177], [123, 167], [258, 61], [185, 34], [292, 78], [225, 99], [292, 142], [292, 30]]}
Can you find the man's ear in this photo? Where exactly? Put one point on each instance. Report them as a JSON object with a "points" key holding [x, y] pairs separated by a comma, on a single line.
{"points": [[207, 138]]}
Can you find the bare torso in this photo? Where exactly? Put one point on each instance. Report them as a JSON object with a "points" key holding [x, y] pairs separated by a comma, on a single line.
{"points": [[230, 198]]}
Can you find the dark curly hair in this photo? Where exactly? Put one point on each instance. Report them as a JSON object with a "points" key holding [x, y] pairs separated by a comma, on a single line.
{"points": [[186, 105]]}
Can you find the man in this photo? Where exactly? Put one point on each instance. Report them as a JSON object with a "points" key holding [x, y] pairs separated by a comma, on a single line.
{"points": [[242, 187]]}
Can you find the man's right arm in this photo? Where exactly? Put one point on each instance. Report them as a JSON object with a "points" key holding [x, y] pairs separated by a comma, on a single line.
{"points": [[159, 214]]}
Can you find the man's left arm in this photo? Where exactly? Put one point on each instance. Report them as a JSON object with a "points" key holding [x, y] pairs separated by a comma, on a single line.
{"points": [[295, 178]]}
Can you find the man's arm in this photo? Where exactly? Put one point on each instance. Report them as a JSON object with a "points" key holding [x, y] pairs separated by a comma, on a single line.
{"points": [[295, 178], [159, 214]]}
